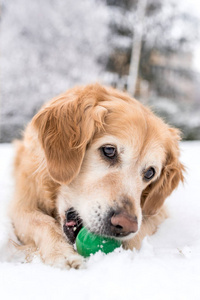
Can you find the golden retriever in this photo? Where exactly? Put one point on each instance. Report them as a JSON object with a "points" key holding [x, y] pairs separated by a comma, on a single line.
{"points": [[92, 157]]}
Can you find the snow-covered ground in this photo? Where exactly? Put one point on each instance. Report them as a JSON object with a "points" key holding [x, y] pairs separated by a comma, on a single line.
{"points": [[166, 267]]}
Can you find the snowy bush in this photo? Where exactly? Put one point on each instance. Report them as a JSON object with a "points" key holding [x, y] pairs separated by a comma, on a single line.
{"points": [[179, 115]]}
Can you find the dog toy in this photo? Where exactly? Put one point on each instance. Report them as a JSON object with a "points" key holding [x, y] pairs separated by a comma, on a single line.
{"points": [[89, 243]]}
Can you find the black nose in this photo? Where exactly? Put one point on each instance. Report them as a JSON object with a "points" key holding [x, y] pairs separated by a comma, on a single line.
{"points": [[122, 224]]}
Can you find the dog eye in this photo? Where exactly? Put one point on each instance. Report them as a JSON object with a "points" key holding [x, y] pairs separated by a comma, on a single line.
{"points": [[149, 174], [109, 151]]}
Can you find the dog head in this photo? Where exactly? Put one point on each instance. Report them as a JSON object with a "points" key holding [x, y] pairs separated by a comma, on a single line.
{"points": [[114, 159]]}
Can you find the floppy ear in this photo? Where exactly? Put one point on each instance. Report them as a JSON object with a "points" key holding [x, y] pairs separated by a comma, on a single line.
{"points": [[65, 127], [154, 195]]}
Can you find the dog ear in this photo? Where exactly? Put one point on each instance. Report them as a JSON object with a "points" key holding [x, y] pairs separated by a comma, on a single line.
{"points": [[154, 195], [65, 127]]}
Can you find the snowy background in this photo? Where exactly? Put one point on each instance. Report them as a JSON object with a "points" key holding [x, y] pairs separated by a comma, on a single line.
{"points": [[46, 48], [167, 267], [50, 46]]}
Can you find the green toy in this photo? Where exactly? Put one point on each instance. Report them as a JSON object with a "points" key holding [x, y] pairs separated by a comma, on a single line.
{"points": [[88, 243]]}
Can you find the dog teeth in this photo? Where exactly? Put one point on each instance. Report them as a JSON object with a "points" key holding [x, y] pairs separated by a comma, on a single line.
{"points": [[74, 228]]}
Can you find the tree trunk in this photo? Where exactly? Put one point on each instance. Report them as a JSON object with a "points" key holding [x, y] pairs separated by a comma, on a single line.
{"points": [[136, 47]]}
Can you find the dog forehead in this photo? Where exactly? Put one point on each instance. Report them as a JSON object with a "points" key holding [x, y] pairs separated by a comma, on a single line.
{"points": [[134, 129], [135, 147], [125, 126], [153, 154]]}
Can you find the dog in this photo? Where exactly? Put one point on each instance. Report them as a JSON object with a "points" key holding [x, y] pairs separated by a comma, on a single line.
{"points": [[92, 157]]}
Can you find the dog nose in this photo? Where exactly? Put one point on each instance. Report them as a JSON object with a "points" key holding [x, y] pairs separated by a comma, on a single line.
{"points": [[122, 224]]}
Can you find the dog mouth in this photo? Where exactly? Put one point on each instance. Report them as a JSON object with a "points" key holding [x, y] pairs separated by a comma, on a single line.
{"points": [[72, 224], [115, 225]]}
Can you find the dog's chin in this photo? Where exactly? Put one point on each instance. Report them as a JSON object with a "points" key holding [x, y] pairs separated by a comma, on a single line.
{"points": [[126, 237]]}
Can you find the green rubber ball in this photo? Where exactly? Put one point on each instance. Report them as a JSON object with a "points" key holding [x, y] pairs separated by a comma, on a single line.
{"points": [[88, 243]]}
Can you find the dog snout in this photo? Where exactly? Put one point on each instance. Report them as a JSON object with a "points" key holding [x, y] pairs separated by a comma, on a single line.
{"points": [[122, 224]]}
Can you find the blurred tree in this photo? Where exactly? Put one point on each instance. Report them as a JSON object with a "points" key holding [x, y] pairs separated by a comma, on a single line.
{"points": [[165, 77], [136, 47], [166, 43]]}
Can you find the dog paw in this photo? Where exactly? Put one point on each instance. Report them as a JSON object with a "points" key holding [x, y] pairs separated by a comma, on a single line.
{"points": [[75, 261], [68, 261]]}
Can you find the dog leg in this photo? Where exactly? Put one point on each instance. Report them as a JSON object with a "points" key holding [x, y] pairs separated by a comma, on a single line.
{"points": [[45, 232]]}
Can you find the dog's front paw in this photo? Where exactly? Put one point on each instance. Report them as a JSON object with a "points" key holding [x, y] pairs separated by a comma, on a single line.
{"points": [[74, 261], [65, 260]]}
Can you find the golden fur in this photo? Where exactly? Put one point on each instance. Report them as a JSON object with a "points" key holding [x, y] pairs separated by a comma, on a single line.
{"points": [[57, 166]]}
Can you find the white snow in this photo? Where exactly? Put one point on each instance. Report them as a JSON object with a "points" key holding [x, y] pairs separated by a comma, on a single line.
{"points": [[166, 267]]}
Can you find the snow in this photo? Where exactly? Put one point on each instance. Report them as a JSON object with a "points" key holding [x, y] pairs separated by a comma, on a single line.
{"points": [[166, 267]]}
